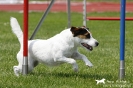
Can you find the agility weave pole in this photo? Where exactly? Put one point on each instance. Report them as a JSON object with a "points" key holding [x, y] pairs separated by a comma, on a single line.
{"points": [[69, 13], [122, 40], [122, 35], [84, 13], [25, 39]]}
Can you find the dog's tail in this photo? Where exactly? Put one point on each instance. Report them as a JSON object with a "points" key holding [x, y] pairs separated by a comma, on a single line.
{"points": [[16, 29]]}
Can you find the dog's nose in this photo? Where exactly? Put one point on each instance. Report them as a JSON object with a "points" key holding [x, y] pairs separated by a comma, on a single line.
{"points": [[97, 43]]}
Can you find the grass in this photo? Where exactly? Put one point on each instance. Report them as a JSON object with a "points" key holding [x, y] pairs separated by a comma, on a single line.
{"points": [[105, 57]]}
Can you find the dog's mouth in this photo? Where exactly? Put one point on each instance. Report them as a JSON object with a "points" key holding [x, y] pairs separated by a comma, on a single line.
{"points": [[87, 46]]}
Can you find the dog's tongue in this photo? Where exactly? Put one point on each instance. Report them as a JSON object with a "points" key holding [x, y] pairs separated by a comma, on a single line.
{"points": [[87, 46]]}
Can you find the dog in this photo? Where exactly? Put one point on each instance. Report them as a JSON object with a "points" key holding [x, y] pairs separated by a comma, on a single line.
{"points": [[101, 81], [59, 49]]}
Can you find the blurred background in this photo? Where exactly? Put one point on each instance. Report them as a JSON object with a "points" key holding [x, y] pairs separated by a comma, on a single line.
{"points": [[19, 1]]}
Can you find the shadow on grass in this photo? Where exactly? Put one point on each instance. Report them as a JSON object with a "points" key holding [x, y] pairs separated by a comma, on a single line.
{"points": [[79, 75], [83, 75]]}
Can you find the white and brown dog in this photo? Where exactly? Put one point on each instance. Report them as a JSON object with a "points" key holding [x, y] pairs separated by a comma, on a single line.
{"points": [[62, 48]]}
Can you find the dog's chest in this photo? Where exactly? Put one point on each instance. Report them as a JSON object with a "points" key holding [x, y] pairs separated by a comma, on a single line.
{"points": [[69, 52]]}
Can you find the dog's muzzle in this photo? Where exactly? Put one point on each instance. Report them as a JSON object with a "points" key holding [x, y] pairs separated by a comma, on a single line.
{"points": [[87, 46]]}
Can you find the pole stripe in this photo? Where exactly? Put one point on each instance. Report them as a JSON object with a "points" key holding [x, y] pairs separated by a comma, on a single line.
{"points": [[122, 30], [25, 32]]}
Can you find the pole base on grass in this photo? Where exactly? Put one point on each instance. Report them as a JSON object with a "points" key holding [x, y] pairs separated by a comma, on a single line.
{"points": [[24, 69], [25, 66], [122, 69]]}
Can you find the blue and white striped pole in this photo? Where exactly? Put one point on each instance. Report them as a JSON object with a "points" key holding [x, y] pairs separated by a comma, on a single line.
{"points": [[122, 40]]}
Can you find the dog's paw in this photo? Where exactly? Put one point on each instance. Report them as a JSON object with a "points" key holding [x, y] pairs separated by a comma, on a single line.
{"points": [[16, 70], [75, 68], [89, 65]]}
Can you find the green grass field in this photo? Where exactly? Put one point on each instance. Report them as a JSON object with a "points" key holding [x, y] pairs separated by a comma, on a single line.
{"points": [[105, 57]]}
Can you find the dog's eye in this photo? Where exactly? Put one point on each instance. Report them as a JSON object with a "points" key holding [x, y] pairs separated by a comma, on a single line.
{"points": [[88, 35]]}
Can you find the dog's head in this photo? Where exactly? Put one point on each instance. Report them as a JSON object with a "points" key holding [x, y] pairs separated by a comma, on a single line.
{"points": [[85, 37]]}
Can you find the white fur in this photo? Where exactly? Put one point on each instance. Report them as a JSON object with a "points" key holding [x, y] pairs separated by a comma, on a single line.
{"points": [[62, 48]]}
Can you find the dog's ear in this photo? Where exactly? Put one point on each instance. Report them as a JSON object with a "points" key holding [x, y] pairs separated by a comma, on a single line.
{"points": [[75, 31], [85, 27]]}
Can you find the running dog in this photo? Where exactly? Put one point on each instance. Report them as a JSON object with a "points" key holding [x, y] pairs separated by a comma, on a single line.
{"points": [[62, 48]]}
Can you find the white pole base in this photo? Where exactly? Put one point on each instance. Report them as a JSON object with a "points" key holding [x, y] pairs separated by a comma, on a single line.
{"points": [[122, 69], [25, 66]]}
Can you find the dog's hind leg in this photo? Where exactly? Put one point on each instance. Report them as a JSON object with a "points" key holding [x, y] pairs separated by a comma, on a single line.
{"points": [[31, 64], [17, 70]]}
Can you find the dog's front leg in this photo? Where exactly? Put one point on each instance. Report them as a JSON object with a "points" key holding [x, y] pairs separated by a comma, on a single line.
{"points": [[79, 56], [68, 60]]}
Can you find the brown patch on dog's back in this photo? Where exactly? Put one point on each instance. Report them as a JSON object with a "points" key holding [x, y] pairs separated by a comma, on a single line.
{"points": [[80, 32]]}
